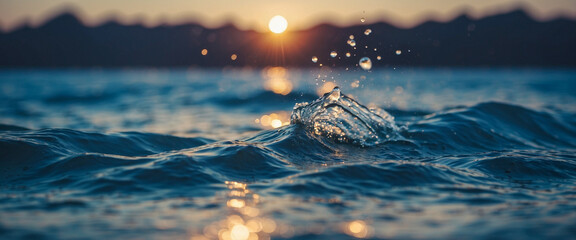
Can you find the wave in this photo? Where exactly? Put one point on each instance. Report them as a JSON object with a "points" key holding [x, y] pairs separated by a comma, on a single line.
{"points": [[255, 102], [327, 131], [337, 158], [492, 126]]}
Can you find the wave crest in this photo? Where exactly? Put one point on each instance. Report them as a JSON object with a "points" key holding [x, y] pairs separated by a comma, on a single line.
{"points": [[342, 119]]}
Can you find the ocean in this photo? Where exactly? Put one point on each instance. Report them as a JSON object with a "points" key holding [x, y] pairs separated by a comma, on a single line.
{"points": [[276, 153]]}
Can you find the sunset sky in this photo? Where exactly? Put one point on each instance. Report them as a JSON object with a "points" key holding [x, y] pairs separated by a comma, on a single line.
{"points": [[254, 14]]}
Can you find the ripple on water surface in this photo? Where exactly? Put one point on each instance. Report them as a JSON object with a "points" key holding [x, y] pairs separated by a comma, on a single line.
{"points": [[338, 170]]}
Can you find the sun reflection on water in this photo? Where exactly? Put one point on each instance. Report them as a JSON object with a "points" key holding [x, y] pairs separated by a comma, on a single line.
{"points": [[358, 229], [277, 80], [274, 120]]}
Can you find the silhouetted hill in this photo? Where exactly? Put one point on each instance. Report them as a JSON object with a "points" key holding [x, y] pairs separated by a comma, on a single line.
{"points": [[511, 39]]}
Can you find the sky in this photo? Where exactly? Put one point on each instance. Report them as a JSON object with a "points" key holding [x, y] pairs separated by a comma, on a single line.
{"points": [[254, 14]]}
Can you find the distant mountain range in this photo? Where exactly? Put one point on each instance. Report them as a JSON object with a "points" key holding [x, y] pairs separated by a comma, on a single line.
{"points": [[510, 39]]}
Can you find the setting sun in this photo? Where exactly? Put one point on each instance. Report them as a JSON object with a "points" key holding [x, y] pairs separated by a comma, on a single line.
{"points": [[278, 24]]}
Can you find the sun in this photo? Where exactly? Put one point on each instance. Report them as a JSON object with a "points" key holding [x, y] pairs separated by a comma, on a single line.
{"points": [[278, 24]]}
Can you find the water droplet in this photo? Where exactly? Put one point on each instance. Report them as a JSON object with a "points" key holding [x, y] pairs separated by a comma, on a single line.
{"points": [[362, 19], [204, 52], [351, 37], [348, 54], [351, 42], [334, 94], [368, 31], [398, 52], [375, 49], [314, 59], [379, 58], [234, 57], [365, 63], [333, 54]]}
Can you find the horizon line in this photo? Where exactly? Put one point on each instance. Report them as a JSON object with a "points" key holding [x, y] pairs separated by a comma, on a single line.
{"points": [[188, 19]]}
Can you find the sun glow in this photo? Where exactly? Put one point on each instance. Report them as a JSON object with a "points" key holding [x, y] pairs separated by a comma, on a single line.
{"points": [[278, 24]]}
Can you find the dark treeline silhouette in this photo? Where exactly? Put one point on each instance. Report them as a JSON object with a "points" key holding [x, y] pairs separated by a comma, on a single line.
{"points": [[510, 39]]}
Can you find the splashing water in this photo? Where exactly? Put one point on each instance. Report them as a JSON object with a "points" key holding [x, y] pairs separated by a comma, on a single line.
{"points": [[342, 119], [365, 63]]}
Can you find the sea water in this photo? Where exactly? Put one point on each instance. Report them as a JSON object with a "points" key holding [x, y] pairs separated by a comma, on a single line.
{"points": [[278, 153]]}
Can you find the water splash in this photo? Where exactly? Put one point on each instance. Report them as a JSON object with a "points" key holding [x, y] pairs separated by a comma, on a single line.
{"points": [[342, 119]]}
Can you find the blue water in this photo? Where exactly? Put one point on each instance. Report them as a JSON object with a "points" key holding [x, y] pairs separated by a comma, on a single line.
{"points": [[215, 154]]}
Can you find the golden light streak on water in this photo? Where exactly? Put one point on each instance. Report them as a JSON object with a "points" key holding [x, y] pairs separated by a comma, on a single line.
{"points": [[268, 225], [276, 80], [236, 203], [244, 223], [254, 225], [233, 185], [276, 123], [274, 120], [358, 229], [239, 232]]}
